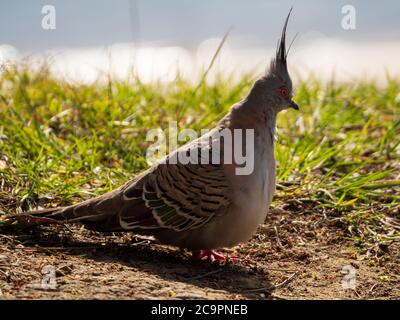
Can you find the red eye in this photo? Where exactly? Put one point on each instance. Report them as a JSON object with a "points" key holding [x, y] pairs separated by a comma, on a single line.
{"points": [[284, 92]]}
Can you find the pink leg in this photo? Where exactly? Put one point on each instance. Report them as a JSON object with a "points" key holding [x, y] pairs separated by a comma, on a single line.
{"points": [[213, 256]]}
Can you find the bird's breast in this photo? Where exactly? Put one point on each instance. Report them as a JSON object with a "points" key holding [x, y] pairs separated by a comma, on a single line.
{"points": [[254, 195]]}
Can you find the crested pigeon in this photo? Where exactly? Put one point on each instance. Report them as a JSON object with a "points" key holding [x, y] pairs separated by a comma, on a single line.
{"points": [[199, 207]]}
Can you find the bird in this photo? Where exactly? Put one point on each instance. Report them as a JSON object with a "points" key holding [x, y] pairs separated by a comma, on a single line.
{"points": [[201, 207]]}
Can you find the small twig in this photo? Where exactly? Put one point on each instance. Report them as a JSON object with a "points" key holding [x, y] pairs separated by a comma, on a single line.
{"points": [[277, 239], [287, 281], [205, 275], [6, 274], [274, 287], [280, 270], [278, 297], [69, 248], [83, 247], [357, 294], [373, 287], [67, 227], [393, 223]]}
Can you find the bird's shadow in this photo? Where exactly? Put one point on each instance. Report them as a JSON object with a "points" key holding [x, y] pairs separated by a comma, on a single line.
{"points": [[165, 262]]}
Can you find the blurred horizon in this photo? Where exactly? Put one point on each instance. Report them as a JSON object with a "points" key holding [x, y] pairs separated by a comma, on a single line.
{"points": [[159, 38]]}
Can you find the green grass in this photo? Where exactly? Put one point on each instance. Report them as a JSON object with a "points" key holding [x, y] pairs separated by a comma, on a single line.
{"points": [[61, 143]]}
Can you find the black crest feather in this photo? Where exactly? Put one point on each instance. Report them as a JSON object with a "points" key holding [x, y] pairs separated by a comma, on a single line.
{"points": [[278, 65]]}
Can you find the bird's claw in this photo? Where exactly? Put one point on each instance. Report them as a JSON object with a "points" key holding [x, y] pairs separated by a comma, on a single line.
{"points": [[214, 256]]}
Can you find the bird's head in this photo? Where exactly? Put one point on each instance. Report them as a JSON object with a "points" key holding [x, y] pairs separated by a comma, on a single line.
{"points": [[276, 84]]}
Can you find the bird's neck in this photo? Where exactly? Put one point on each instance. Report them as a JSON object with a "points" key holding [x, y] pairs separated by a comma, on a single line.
{"points": [[247, 115]]}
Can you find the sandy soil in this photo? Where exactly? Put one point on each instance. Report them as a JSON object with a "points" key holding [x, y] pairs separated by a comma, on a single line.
{"points": [[295, 255]]}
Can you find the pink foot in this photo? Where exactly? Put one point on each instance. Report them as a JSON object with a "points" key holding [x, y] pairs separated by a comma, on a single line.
{"points": [[213, 256]]}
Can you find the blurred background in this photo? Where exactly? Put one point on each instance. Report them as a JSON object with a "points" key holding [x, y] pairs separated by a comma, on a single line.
{"points": [[154, 39]]}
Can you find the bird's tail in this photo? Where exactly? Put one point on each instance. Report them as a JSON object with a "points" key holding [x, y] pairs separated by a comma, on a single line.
{"points": [[40, 217], [103, 213], [80, 213]]}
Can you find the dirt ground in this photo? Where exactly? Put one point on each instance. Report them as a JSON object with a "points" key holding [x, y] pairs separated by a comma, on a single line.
{"points": [[295, 255]]}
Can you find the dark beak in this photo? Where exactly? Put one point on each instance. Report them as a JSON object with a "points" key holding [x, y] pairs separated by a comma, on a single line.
{"points": [[294, 105]]}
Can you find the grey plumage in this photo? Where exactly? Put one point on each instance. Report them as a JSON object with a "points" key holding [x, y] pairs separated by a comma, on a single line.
{"points": [[197, 206]]}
